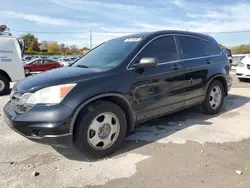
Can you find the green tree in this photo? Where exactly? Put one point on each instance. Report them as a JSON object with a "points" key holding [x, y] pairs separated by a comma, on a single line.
{"points": [[54, 48], [222, 46], [44, 45], [28, 38], [34, 46], [73, 49], [3, 29], [241, 49], [67, 50], [62, 48], [62, 45], [85, 48]]}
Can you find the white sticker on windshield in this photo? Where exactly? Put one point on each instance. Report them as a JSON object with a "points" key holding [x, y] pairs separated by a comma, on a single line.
{"points": [[133, 39]]}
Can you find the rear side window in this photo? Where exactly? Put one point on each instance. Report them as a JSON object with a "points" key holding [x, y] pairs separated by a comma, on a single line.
{"points": [[191, 47], [163, 48], [210, 49]]}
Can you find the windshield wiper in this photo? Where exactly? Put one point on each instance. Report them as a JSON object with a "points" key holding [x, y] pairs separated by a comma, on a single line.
{"points": [[82, 66]]}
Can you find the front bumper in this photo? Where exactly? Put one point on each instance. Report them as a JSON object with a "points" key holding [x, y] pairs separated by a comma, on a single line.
{"points": [[44, 124], [242, 72]]}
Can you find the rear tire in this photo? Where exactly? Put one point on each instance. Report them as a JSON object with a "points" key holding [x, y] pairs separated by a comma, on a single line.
{"points": [[4, 85], [214, 98], [93, 132]]}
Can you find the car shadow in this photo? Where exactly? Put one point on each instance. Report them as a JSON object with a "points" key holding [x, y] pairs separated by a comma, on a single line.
{"points": [[163, 127]]}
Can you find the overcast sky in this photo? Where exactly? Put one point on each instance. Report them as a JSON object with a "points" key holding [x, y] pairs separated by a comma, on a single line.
{"points": [[112, 18]]}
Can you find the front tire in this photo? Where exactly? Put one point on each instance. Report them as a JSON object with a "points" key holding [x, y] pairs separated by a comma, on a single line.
{"points": [[100, 129], [214, 98], [27, 71], [242, 79], [4, 85]]}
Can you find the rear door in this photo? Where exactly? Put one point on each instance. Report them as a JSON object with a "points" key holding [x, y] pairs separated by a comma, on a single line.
{"points": [[37, 65], [158, 90], [47, 64], [197, 57]]}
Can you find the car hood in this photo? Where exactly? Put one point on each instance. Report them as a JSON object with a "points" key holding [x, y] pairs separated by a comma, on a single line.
{"points": [[56, 77]]}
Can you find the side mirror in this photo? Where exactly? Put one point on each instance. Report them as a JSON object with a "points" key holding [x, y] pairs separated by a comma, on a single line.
{"points": [[147, 62]]}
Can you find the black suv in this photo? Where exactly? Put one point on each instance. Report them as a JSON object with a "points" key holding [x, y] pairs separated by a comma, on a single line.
{"points": [[127, 80]]}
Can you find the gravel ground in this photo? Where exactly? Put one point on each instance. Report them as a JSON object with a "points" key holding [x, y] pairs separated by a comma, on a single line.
{"points": [[185, 149]]}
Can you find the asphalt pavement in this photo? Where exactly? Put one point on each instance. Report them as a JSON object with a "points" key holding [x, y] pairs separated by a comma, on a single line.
{"points": [[187, 149]]}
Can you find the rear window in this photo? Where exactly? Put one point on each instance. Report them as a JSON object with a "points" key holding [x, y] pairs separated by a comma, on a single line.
{"points": [[191, 47], [210, 49]]}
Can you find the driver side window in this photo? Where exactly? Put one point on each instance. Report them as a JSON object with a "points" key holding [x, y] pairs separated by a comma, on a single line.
{"points": [[163, 48], [38, 62]]}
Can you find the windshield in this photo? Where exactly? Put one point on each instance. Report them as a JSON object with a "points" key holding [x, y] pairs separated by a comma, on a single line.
{"points": [[21, 45], [109, 54], [31, 61]]}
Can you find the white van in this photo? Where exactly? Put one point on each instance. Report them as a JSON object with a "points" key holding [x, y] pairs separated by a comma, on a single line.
{"points": [[11, 65]]}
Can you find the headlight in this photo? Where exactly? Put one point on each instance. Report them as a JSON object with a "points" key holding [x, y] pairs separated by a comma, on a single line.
{"points": [[241, 64], [50, 95]]}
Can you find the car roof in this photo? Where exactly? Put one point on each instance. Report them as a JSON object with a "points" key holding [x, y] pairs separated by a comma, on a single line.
{"points": [[7, 36], [35, 59], [170, 32]]}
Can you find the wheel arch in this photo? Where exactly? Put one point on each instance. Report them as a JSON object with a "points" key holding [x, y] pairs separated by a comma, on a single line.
{"points": [[2, 72], [116, 98], [27, 68], [222, 79]]}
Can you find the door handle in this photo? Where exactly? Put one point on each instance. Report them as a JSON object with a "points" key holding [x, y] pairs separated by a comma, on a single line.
{"points": [[176, 67], [141, 84], [208, 61]]}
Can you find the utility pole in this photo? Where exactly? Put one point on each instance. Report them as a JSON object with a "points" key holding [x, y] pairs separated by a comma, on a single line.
{"points": [[90, 39]]}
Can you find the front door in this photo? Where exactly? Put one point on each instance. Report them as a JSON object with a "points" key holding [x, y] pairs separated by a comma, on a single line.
{"points": [[159, 90]]}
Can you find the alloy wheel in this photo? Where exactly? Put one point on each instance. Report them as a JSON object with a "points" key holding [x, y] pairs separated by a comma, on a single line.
{"points": [[215, 97], [2, 85], [103, 131]]}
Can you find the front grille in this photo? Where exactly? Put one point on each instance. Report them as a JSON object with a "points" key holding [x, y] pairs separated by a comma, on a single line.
{"points": [[21, 108], [248, 67], [17, 103]]}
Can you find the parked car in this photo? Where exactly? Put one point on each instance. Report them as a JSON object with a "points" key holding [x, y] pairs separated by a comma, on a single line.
{"points": [[102, 96], [229, 55], [39, 65], [65, 61], [24, 60], [55, 58], [27, 58], [11, 66], [73, 58], [237, 59], [243, 69]]}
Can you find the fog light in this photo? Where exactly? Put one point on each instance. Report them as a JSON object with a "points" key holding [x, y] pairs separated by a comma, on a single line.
{"points": [[36, 133]]}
